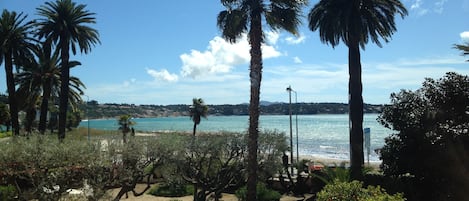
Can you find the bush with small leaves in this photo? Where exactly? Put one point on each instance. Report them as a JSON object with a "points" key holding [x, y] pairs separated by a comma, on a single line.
{"points": [[354, 191], [172, 190], [263, 193]]}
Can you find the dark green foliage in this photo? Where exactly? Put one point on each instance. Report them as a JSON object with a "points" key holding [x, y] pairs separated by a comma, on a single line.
{"points": [[6, 134], [353, 191], [7, 193], [4, 116], [263, 193], [431, 143], [172, 190]]}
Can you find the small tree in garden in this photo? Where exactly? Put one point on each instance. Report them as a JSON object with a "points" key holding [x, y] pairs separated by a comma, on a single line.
{"points": [[214, 164], [197, 110], [136, 161], [217, 162], [125, 122], [431, 143]]}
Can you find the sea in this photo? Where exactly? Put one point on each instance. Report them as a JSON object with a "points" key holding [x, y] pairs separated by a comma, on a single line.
{"points": [[321, 136]]}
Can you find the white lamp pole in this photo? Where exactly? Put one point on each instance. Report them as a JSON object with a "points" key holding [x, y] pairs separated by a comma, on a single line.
{"points": [[289, 89], [296, 122]]}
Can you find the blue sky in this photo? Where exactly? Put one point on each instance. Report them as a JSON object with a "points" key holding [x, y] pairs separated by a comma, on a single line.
{"points": [[168, 52]]}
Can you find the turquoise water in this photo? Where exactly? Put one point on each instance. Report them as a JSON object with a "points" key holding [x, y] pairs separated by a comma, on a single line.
{"points": [[318, 135]]}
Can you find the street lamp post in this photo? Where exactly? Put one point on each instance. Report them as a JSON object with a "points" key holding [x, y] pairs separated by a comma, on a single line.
{"points": [[289, 89], [296, 122]]}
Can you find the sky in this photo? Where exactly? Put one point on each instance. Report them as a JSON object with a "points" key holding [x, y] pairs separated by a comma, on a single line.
{"points": [[168, 52]]}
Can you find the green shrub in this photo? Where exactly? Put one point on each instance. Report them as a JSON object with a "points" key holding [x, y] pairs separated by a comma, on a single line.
{"points": [[172, 190], [353, 191], [39, 163], [5, 134], [263, 193], [7, 192]]}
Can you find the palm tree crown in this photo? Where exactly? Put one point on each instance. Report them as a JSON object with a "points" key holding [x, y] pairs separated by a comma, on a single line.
{"points": [[279, 14], [64, 23], [355, 20]]}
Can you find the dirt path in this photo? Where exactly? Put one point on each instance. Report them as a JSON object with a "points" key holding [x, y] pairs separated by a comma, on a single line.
{"points": [[148, 197]]}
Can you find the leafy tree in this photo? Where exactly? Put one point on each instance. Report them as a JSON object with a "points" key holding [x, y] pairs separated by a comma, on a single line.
{"points": [[355, 22], [432, 125], [215, 164], [243, 16], [15, 43], [197, 110], [64, 22], [125, 123]]}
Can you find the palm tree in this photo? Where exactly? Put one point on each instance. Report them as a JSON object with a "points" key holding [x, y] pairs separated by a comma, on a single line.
{"points": [[197, 110], [355, 22], [464, 48], [64, 23], [41, 78], [125, 122], [243, 16], [15, 43]]}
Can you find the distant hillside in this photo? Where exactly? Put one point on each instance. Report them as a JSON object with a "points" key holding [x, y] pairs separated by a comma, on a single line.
{"points": [[95, 110]]}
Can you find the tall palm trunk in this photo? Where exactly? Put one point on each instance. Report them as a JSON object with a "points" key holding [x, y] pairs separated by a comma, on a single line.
{"points": [[355, 112], [255, 39], [193, 130], [12, 93], [64, 77], [44, 106], [29, 120]]}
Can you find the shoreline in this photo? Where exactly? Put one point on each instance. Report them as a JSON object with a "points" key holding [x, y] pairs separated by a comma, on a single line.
{"points": [[323, 160]]}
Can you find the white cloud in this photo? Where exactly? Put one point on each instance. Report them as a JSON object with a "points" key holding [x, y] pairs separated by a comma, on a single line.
{"points": [[295, 40], [421, 8], [221, 57], [272, 37], [417, 7], [439, 5], [416, 4], [297, 60], [162, 75], [464, 36]]}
